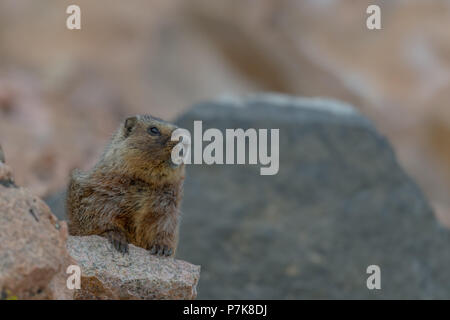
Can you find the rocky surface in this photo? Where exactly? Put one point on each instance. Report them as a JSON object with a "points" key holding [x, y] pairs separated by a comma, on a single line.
{"points": [[33, 256], [108, 274], [339, 203]]}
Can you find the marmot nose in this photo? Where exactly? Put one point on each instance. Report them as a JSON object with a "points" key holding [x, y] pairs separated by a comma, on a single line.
{"points": [[173, 143]]}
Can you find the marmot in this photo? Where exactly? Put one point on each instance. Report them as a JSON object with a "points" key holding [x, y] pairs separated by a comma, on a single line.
{"points": [[133, 194]]}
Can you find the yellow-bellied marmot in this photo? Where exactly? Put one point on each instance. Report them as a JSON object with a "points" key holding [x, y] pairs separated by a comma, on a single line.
{"points": [[133, 194]]}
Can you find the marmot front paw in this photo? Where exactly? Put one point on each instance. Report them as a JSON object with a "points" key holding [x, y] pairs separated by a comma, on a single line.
{"points": [[118, 240], [161, 250]]}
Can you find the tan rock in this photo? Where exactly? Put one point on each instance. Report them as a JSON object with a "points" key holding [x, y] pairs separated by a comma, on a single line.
{"points": [[33, 257], [107, 274], [6, 177]]}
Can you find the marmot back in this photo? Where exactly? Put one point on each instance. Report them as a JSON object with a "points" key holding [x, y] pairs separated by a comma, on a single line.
{"points": [[133, 194]]}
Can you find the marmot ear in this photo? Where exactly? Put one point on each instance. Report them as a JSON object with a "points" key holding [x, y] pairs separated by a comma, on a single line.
{"points": [[129, 125]]}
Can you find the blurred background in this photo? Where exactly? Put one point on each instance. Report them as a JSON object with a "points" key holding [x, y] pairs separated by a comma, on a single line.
{"points": [[63, 92]]}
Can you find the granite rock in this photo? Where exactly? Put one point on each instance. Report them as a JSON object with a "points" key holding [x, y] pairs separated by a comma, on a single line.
{"points": [[108, 274], [33, 255]]}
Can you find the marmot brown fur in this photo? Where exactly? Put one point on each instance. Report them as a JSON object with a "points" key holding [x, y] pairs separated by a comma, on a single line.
{"points": [[133, 194]]}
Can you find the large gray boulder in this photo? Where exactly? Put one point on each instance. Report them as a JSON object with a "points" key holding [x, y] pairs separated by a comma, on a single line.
{"points": [[339, 203]]}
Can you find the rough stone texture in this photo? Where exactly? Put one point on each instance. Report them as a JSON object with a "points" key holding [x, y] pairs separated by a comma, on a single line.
{"points": [[107, 274], [33, 257], [339, 203]]}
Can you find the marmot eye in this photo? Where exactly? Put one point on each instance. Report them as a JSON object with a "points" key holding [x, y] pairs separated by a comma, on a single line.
{"points": [[154, 131]]}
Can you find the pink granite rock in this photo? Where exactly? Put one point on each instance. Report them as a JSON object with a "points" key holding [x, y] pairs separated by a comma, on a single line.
{"points": [[108, 274], [33, 256]]}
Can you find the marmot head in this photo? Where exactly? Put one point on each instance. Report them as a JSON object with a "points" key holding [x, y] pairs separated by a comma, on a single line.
{"points": [[144, 144]]}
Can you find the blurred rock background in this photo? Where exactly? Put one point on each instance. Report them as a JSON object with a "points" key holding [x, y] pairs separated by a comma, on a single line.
{"points": [[339, 203], [63, 92]]}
